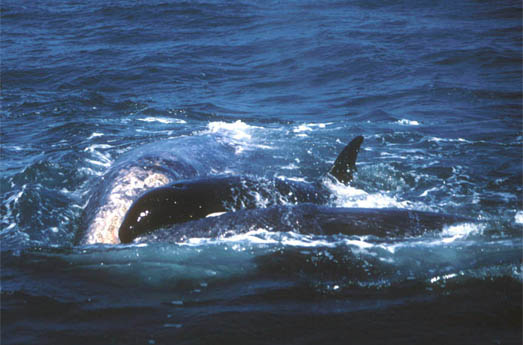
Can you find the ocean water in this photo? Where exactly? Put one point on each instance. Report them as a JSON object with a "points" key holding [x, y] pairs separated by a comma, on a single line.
{"points": [[435, 87]]}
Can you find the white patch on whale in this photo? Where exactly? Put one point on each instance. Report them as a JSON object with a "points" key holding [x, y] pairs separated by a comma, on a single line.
{"points": [[125, 188]]}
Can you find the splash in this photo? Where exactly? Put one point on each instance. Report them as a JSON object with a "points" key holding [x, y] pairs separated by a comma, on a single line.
{"points": [[302, 128], [238, 134], [518, 218], [405, 122], [460, 231], [238, 130]]}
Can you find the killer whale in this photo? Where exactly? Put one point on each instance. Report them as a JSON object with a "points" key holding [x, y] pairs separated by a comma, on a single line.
{"points": [[310, 219], [189, 200], [166, 191]]}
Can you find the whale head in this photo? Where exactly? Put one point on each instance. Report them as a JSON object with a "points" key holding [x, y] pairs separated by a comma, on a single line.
{"points": [[175, 203]]}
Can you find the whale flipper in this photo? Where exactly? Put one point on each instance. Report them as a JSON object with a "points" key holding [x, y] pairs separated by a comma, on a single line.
{"points": [[345, 164]]}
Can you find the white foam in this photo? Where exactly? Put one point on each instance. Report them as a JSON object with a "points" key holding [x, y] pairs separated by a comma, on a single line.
{"points": [[449, 234], [238, 130], [15, 197], [289, 239], [94, 147], [302, 128], [10, 204], [291, 166], [238, 133], [94, 135], [100, 159], [290, 178], [518, 218], [459, 231], [164, 120], [255, 236], [347, 196], [358, 243], [308, 127], [260, 236], [443, 277], [11, 226], [405, 122], [425, 193], [99, 163], [458, 140]]}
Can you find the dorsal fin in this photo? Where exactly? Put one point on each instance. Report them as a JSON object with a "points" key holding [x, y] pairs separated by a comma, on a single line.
{"points": [[345, 164]]}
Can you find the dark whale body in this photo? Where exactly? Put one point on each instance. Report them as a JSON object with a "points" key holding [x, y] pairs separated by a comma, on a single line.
{"points": [[194, 199], [180, 210], [197, 198], [311, 219]]}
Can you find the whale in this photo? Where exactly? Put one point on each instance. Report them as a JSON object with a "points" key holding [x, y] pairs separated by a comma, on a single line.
{"points": [[215, 206], [311, 219], [179, 189], [193, 199], [148, 166], [199, 162]]}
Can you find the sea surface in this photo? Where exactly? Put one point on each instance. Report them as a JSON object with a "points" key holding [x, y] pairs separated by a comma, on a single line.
{"points": [[435, 88]]}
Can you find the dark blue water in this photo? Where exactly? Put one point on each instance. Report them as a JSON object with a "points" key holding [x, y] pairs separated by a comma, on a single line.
{"points": [[435, 87]]}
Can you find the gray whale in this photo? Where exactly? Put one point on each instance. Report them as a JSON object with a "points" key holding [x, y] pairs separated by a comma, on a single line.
{"points": [[144, 168]]}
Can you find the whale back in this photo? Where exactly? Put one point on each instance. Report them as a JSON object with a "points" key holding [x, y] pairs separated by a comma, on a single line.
{"points": [[194, 199]]}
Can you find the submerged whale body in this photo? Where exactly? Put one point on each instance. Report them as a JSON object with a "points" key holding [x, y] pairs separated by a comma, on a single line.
{"points": [[310, 219]]}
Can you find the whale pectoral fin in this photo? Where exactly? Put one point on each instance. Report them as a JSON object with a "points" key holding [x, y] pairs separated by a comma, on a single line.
{"points": [[345, 164]]}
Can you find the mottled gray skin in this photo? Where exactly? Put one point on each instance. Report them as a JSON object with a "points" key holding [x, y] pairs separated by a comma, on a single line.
{"points": [[145, 168]]}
